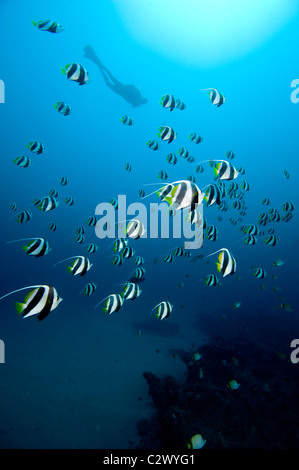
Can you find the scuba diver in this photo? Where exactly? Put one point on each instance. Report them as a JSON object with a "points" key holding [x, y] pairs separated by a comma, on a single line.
{"points": [[129, 92]]}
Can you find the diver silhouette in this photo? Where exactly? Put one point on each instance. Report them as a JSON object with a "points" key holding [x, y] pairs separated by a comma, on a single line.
{"points": [[129, 92]]}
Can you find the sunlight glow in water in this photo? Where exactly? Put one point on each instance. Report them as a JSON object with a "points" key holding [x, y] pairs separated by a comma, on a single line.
{"points": [[204, 32]]}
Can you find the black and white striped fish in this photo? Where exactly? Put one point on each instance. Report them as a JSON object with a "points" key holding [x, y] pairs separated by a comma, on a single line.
{"points": [[265, 201], [232, 187], [138, 273], [244, 185], [23, 161], [168, 258], [37, 247], [127, 252], [287, 217], [92, 248], [119, 244], [40, 302], [223, 207], [225, 171], [69, 200], [195, 137], [53, 192], [46, 204], [183, 152], [230, 154], [191, 178], [263, 218], [240, 195], [199, 168], [89, 288], [114, 203], [167, 133], [163, 310], [184, 194], [215, 96], [80, 230], [141, 192], [91, 221], [76, 73], [211, 280], [63, 180], [48, 25], [79, 238], [250, 240], [23, 217], [63, 108], [212, 233], [274, 215], [226, 262], [179, 104], [135, 229], [117, 260], [152, 144], [194, 217], [213, 195], [36, 147], [131, 291], [236, 205], [126, 120], [272, 240], [52, 227], [259, 273], [288, 206], [112, 303], [79, 266], [251, 229], [178, 251], [164, 191], [168, 101], [163, 175]]}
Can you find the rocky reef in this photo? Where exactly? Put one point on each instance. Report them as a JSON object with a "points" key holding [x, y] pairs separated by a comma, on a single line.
{"points": [[262, 413]]}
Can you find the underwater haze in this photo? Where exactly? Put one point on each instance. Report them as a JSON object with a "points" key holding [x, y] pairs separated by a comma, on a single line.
{"points": [[116, 339]]}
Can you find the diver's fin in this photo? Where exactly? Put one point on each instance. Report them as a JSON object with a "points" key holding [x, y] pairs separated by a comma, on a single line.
{"points": [[90, 54]]}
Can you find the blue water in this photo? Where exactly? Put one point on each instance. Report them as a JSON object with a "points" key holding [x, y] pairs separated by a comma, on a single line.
{"points": [[75, 379]]}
